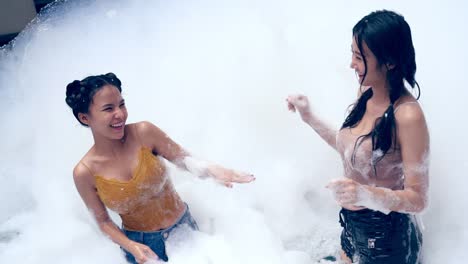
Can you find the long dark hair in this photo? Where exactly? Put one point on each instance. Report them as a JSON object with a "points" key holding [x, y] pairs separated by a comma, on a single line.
{"points": [[388, 36], [80, 94]]}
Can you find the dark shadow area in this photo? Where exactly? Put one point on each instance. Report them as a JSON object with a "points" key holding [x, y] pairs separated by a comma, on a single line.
{"points": [[39, 5]]}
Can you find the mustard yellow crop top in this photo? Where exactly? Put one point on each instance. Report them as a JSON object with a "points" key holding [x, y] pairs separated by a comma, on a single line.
{"points": [[142, 201]]}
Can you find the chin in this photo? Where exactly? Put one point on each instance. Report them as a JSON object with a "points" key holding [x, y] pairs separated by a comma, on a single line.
{"points": [[364, 84], [120, 137], [117, 136]]}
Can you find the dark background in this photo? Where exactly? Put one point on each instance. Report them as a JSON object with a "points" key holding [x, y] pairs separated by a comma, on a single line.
{"points": [[15, 15]]}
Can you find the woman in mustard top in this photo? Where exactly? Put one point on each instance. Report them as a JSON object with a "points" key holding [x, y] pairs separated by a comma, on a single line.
{"points": [[123, 171]]}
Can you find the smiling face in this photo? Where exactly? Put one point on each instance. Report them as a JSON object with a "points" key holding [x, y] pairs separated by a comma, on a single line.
{"points": [[371, 71], [107, 113]]}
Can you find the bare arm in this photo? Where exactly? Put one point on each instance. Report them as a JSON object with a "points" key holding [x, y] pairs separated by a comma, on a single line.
{"points": [[413, 137], [325, 131], [170, 150], [159, 142], [84, 183]]}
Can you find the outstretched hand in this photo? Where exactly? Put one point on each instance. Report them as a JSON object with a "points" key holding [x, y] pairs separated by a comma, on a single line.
{"points": [[300, 103], [227, 176]]}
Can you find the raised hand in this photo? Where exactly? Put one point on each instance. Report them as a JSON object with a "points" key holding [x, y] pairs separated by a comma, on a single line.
{"points": [[300, 103]]}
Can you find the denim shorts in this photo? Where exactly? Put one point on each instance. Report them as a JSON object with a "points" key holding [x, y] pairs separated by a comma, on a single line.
{"points": [[372, 237], [156, 239]]}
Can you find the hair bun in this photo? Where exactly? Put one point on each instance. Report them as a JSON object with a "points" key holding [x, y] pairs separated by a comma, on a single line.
{"points": [[73, 87], [73, 93], [112, 78], [110, 75]]}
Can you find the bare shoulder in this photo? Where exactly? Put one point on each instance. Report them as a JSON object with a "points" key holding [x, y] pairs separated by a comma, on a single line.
{"points": [[413, 133], [82, 174], [83, 169], [144, 127], [149, 133], [408, 111]]}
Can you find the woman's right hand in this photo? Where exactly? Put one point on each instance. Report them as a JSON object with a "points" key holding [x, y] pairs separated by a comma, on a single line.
{"points": [[301, 103], [142, 253]]}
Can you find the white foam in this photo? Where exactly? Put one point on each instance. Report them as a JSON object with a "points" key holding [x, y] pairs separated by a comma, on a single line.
{"points": [[214, 76]]}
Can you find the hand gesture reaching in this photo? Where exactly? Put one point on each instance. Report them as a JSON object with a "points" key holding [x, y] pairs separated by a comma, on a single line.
{"points": [[228, 176], [301, 103]]}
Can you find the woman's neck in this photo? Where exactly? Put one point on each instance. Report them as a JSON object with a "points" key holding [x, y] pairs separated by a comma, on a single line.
{"points": [[108, 147], [380, 94]]}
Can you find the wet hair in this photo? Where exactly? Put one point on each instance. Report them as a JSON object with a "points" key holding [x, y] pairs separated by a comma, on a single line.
{"points": [[80, 94], [388, 36]]}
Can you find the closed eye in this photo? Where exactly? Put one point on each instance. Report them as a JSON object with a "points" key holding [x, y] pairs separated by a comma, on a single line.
{"points": [[356, 55]]}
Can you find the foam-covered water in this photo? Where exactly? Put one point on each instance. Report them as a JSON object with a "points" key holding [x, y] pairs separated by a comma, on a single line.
{"points": [[214, 76]]}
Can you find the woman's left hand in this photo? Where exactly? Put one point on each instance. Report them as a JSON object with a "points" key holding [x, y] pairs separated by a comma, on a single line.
{"points": [[227, 176], [347, 192]]}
